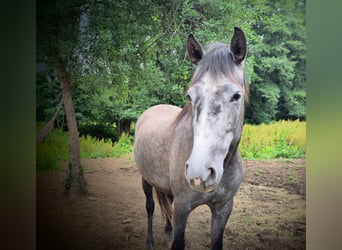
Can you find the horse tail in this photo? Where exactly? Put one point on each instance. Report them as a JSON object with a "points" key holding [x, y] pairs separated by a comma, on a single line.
{"points": [[165, 203]]}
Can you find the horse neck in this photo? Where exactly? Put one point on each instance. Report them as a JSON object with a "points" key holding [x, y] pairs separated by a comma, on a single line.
{"points": [[183, 134]]}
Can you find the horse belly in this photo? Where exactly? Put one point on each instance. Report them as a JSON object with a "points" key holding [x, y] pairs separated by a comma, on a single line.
{"points": [[152, 145]]}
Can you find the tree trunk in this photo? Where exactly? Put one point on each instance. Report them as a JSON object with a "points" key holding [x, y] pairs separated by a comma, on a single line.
{"points": [[127, 127], [123, 126], [75, 171]]}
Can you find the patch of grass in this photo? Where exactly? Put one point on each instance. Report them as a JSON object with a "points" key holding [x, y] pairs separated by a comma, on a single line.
{"points": [[283, 139], [54, 149], [93, 148]]}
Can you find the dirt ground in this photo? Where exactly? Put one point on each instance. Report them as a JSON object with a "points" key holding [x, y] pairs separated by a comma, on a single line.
{"points": [[269, 209]]}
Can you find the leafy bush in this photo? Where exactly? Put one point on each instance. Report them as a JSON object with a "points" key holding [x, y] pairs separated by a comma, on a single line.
{"points": [[124, 145], [284, 139]]}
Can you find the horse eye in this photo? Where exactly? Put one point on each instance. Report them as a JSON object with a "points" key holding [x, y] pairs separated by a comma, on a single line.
{"points": [[188, 96], [235, 97]]}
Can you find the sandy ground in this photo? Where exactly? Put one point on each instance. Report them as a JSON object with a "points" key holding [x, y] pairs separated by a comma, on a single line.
{"points": [[269, 209]]}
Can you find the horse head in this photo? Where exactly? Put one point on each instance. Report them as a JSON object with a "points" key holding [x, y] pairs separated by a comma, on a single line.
{"points": [[216, 93]]}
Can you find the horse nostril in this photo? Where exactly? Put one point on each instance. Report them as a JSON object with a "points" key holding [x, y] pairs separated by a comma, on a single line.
{"points": [[212, 173], [186, 169]]}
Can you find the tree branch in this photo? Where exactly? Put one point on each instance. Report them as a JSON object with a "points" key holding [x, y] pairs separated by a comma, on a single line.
{"points": [[44, 131]]}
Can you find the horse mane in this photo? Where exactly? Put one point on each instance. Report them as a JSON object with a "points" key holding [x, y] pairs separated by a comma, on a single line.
{"points": [[185, 112], [217, 61]]}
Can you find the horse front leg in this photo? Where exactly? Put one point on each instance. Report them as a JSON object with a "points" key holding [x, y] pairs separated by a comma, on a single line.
{"points": [[180, 217], [149, 209], [219, 218]]}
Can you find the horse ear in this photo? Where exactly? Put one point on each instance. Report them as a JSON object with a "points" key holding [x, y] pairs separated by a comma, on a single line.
{"points": [[238, 45], [194, 49]]}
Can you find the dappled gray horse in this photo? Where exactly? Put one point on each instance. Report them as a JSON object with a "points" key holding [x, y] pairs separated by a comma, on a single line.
{"points": [[190, 155]]}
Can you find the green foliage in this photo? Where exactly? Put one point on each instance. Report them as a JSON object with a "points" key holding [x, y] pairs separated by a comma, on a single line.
{"points": [[278, 61], [48, 95], [94, 148], [100, 131], [91, 147], [285, 139], [123, 146], [53, 150], [125, 56]]}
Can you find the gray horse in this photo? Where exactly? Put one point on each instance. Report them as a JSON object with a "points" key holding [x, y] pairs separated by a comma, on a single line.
{"points": [[190, 155]]}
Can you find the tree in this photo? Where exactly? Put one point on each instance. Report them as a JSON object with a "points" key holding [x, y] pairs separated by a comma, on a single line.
{"points": [[57, 31], [122, 57], [278, 80]]}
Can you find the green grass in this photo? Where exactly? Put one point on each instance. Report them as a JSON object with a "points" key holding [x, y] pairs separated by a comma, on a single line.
{"points": [[53, 150], [93, 148], [285, 139]]}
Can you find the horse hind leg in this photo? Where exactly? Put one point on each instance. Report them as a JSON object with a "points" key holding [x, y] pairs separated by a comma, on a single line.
{"points": [[165, 202], [150, 210]]}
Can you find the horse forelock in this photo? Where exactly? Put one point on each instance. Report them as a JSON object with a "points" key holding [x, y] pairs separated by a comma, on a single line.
{"points": [[217, 62]]}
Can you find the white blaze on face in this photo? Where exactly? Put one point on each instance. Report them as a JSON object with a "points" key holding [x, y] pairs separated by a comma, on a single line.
{"points": [[215, 116], [207, 156]]}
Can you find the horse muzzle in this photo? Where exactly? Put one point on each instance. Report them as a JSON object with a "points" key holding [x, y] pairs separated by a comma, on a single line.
{"points": [[203, 182], [201, 186]]}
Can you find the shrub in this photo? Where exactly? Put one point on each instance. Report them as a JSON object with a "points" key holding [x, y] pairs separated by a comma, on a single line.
{"points": [[124, 145]]}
